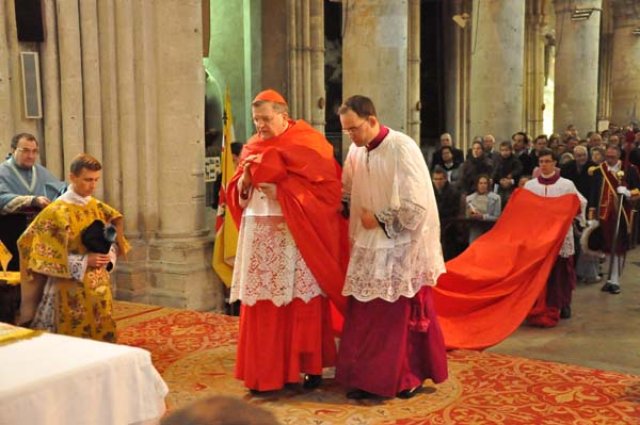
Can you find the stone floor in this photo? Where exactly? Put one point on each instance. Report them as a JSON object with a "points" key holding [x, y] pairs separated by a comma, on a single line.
{"points": [[603, 332]]}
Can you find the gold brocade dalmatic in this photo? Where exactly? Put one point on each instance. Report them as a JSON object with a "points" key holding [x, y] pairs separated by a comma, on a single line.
{"points": [[81, 308]]}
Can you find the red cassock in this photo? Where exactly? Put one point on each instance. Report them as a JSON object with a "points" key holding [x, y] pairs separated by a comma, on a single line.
{"points": [[490, 288], [277, 343]]}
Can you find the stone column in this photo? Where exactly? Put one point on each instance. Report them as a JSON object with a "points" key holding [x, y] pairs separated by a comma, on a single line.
{"points": [[497, 67], [413, 71], [6, 104], [127, 123], [318, 94], [625, 75], [605, 62], [91, 82], [50, 78], [11, 96], [534, 67], [180, 255], [457, 67], [112, 180], [71, 89], [146, 116], [233, 57], [374, 56], [577, 45]]}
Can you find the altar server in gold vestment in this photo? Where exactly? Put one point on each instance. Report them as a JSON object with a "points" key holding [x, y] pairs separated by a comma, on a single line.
{"points": [[66, 286]]}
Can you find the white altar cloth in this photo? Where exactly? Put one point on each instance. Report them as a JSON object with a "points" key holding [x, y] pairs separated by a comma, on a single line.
{"points": [[59, 380]]}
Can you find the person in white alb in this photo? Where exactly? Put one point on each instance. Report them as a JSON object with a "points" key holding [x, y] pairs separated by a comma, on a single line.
{"points": [[562, 279]]}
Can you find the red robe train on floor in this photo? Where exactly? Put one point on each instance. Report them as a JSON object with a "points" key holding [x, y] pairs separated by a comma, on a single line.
{"points": [[490, 288]]}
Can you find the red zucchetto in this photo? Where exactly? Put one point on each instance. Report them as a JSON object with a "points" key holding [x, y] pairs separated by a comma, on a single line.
{"points": [[270, 95]]}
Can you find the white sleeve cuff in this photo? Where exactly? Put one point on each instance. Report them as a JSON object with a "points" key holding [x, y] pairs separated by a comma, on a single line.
{"points": [[78, 266], [113, 256]]}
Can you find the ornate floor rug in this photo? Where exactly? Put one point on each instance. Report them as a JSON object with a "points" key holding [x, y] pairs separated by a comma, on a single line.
{"points": [[195, 354]]}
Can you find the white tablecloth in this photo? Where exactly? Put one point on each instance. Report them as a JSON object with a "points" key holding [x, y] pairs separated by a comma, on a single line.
{"points": [[59, 380]]}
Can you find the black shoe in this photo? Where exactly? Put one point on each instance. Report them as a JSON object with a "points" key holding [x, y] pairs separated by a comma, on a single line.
{"points": [[405, 394], [359, 395], [259, 393], [606, 287], [311, 382], [614, 289], [565, 312]]}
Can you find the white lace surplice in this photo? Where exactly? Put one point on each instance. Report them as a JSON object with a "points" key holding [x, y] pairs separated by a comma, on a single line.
{"points": [[393, 182], [268, 264], [561, 187]]}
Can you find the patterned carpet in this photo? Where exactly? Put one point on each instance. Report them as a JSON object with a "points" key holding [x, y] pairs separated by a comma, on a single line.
{"points": [[195, 354]]}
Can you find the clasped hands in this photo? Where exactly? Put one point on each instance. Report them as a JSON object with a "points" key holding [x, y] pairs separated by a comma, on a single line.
{"points": [[97, 260], [270, 190], [368, 219], [40, 201]]}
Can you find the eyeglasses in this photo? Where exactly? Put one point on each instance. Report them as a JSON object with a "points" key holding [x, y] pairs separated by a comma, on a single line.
{"points": [[28, 151], [264, 119], [352, 130]]}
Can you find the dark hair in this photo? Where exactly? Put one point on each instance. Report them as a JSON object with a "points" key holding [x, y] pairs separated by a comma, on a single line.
{"points": [[476, 142], [546, 152], [506, 144], [16, 139], [220, 410], [361, 105], [523, 134], [84, 160], [439, 170], [446, 147], [542, 136], [482, 176]]}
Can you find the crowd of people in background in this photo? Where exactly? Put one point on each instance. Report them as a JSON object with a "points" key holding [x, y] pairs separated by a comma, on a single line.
{"points": [[473, 188]]}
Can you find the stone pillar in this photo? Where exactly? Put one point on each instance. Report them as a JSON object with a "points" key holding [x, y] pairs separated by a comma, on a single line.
{"points": [[625, 75], [127, 122], [6, 104], [318, 94], [91, 82], [276, 54], [233, 59], [413, 71], [180, 255], [374, 56], [146, 117], [50, 78], [71, 89], [497, 67], [457, 68], [577, 45], [605, 63], [534, 67], [112, 181], [12, 119], [125, 81], [305, 49]]}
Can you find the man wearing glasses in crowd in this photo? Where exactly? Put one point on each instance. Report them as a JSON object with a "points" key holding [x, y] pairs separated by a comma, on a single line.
{"points": [[25, 189]]}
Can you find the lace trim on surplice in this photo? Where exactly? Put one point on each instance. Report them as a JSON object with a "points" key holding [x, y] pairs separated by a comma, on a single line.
{"points": [[388, 273], [268, 264]]}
